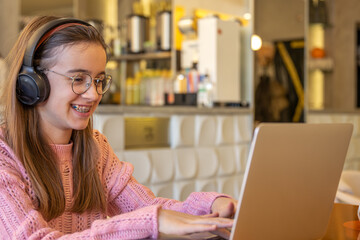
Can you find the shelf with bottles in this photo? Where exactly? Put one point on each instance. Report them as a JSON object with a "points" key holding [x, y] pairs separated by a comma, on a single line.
{"points": [[141, 37], [144, 32], [148, 87], [156, 85]]}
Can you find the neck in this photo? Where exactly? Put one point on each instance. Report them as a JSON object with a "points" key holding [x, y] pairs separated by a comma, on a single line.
{"points": [[56, 136], [61, 139], [54, 133]]}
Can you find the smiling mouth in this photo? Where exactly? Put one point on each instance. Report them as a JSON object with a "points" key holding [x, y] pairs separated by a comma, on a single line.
{"points": [[81, 109]]}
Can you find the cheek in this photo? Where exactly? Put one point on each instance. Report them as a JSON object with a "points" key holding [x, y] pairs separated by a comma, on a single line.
{"points": [[61, 98], [60, 88], [97, 102]]}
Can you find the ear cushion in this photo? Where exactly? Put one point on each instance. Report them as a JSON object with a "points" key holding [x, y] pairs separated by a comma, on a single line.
{"points": [[32, 87]]}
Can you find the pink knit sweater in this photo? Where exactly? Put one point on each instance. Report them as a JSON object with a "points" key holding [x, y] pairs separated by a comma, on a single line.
{"points": [[132, 208]]}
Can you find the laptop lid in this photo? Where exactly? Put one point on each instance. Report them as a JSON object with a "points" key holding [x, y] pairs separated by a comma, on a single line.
{"points": [[291, 180]]}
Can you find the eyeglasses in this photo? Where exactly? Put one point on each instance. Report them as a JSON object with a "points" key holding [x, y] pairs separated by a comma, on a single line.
{"points": [[81, 82]]}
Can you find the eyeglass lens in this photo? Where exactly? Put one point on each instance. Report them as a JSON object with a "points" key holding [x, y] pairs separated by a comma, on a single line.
{"points": [[82, 82]]}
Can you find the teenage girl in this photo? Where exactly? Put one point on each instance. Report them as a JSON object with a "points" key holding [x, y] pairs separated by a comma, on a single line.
{"points": [[59, 178]]}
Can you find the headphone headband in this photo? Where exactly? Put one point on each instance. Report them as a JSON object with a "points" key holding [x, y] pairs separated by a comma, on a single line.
{"points": [[41, 32]]}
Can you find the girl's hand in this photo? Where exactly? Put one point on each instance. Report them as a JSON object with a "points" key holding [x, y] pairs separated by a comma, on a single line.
{"points": [[225, 207], [172, 222]]}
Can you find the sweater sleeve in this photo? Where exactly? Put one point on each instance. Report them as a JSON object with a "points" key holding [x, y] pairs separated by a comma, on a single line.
{"points": [[125, 194], [135, 196], [20, 220]]}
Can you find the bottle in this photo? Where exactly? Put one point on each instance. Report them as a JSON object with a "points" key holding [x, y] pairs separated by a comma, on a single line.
{"points": [[209, 91], [160, 87], [180, 83], [201, 94], [149, 96], [129, 91], [117, 43], [168, 87], [136, 88], [205, 92], [142, 88], [193, 79]]}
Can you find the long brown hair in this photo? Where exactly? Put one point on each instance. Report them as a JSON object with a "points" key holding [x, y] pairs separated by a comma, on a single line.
{"points": [[24, 134]]}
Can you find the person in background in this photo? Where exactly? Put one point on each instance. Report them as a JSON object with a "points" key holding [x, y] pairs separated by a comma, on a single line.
{"points": [[271, 97], [59, 178]]}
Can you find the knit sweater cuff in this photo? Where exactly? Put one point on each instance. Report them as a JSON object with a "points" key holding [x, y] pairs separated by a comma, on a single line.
{"points": [[139, 224], [199, 203]]}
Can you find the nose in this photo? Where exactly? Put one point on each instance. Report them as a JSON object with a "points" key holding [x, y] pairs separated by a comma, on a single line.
{"points": [[91, 93]]}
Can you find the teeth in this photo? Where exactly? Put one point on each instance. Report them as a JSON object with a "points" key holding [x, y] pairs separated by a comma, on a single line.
{"points": [[81, 109]]}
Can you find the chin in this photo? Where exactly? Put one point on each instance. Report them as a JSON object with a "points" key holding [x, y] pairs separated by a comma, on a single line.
{"points": [[81, 126]]}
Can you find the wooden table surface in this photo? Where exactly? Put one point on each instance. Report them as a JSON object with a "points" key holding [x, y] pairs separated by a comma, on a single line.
{"points": [[343, 223]]}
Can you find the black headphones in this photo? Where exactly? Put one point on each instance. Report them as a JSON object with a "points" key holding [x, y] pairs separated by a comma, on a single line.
{"points": [[32, 86]]}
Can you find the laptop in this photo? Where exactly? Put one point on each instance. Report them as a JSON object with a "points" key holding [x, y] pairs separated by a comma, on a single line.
{"points": [[290, 182]]}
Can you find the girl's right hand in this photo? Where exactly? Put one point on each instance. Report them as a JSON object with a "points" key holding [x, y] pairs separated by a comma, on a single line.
{"points": [[172, 222]]}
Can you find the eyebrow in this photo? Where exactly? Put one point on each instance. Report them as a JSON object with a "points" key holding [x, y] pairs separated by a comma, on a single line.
{"points": [[77, 70]]}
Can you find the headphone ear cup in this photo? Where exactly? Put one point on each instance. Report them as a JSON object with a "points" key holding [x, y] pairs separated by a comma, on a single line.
{"points": [[32, 87]]}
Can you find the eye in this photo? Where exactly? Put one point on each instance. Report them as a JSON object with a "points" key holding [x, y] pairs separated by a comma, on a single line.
{"points": [[97, 81], [100, 78], [79, 78]]}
